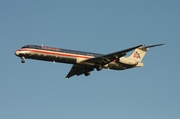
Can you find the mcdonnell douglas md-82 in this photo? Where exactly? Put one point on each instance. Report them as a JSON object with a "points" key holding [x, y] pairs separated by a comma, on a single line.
{"points": [[85, 62]]}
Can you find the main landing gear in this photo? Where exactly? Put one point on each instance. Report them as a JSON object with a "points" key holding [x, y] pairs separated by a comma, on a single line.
{"points": [[22, 60], [87, 73], [98, 67]]}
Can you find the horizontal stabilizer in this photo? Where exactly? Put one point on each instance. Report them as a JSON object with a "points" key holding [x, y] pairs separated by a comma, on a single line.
{"points": [[152, 46]]}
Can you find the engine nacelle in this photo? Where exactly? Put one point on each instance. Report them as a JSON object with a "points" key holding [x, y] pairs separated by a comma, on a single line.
{"points": [[127, 61]]}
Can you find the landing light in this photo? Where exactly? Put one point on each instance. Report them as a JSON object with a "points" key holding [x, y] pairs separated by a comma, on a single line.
{"points": [[16, 53]]}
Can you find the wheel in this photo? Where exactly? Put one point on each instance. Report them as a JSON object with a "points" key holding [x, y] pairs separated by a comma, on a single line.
{"points": [[22, 60], [87, 73], [98, 68]]}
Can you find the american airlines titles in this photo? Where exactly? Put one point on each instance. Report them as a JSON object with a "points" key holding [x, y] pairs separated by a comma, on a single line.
{"points": [[50, 48]]}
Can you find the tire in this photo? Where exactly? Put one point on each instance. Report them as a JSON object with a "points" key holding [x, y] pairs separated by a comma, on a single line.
{"points": [[87, 73]]}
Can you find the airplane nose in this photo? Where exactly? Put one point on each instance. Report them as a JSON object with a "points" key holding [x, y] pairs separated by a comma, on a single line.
{"points": [[16, 52]]}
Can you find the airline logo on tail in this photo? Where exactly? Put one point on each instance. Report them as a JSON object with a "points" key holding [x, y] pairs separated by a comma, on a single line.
{"points": [[137, 55]]}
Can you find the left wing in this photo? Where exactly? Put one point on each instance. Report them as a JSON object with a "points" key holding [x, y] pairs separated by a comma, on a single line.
{"points": [[78, 69], [90, 64]]}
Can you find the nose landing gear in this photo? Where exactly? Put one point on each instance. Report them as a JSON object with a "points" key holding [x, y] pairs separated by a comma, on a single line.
{"points": [[22, 60]]}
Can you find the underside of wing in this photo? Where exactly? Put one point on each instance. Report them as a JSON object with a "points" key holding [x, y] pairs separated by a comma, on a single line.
{"points": [[78, 69]]}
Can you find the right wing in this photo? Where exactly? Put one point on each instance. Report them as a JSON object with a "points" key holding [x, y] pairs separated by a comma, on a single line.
{"points": [[105, 59]]}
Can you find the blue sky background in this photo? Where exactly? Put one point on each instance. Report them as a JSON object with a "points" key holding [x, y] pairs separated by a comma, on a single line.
{"points": [[38, 89]]}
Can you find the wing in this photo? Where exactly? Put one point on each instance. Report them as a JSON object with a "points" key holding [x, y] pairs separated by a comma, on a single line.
{"points": [[78, 69], [90, 64], [105, 59]]}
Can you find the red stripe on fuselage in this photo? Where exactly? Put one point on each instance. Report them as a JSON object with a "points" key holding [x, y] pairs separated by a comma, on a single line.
{"points": [[56, 53]]}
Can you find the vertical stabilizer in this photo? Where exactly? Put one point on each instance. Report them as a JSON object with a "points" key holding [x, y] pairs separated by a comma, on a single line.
{"points": [[138, 54]]}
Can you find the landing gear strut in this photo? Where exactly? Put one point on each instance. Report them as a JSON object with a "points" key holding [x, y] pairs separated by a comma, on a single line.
{"points": [[22, 60]]}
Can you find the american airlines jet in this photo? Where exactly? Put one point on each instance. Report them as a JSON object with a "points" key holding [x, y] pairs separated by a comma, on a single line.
{"points": [[85, 62]]}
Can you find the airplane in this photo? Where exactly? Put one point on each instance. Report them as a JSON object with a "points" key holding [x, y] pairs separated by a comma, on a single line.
{"points": [[85, 62]]}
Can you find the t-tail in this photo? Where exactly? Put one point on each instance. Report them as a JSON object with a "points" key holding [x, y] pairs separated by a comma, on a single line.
{"points": [[140, 52]]}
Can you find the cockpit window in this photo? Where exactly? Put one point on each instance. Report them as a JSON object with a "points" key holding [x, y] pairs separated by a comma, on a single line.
{"points": [[25, 46]]}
